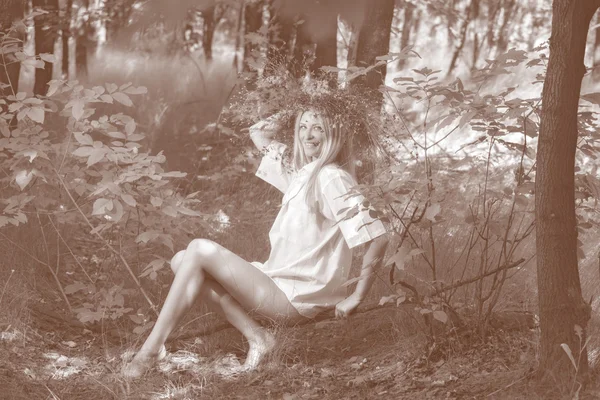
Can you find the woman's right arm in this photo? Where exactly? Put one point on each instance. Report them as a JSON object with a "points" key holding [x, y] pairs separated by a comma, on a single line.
{"points": [[262, 132]]}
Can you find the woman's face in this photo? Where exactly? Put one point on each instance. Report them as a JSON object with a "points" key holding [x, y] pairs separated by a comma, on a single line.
{"points": [[311, 133]]}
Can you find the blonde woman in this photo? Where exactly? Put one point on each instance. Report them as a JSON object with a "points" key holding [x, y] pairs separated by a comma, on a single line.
{"points": [[311, 247]]}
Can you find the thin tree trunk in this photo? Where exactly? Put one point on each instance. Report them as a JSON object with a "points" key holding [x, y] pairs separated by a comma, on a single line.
{"points": [[85, 43], [409, 10], [326, 51], [281, 29], [509, 11], [561, 306], [66, 35], [11, 11], [596, 50], [463, 35], [303, 51], [45, 36], [253, 21], [208, 32], [374, 40]]}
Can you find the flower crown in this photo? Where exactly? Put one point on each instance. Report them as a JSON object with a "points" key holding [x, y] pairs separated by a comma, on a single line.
{"points": [[280, 93]]}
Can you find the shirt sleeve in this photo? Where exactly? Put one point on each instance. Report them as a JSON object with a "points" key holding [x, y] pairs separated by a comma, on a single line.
{"points": [[348, 208], [274, 168]]}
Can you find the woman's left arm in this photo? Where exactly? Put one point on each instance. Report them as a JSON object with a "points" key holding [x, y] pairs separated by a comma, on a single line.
{"points": [[371, 261]]}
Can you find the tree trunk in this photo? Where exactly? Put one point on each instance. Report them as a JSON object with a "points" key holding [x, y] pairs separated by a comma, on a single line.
{"points": [[208, 32], [374, 40], [85, 44], [463, 35], [409, 10], [596, 50], [303, 50], [509, 11], [253, 21], [45, 36], [561, 306], [10, 11], [66, 35], [281, 29], [326, 51]]}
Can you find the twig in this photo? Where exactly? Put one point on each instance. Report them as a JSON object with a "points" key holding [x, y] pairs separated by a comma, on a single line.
{"points": [[107, 244], [70, 251], [479, 277], [60, 288], [22, 249]]}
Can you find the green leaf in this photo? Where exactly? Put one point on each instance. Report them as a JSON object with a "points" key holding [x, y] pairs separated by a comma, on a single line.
{"points": [[83, 151], [432, 211], [156, 201], [130, 127], [440, 316], [102, 206], [135, 137], [96, 156], [77, 109], [147, 236], [51, 58], [83, 138], [122, 98], [111, 87], [23, 178], [36, 114], [128, 199], [592, 98], [107, 98], [567, 350], [138, 90], [170, 211]]}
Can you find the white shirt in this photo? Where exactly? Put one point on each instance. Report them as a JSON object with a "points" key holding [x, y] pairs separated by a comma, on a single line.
{"points": [[311, 252]]}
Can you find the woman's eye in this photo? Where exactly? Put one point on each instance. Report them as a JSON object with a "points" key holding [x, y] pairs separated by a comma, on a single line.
{"points": [[302, 127], [319, 128]]}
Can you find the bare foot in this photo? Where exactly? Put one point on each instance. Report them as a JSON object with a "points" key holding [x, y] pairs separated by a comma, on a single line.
{"points": [[142, 362], [259, 348]]}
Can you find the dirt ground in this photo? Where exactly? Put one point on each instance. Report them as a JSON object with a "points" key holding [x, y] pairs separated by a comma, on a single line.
{"points": [[379, 353]]}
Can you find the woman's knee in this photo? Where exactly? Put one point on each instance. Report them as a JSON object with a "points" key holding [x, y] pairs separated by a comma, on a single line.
{"points": [[176, 260], [206, 250]]}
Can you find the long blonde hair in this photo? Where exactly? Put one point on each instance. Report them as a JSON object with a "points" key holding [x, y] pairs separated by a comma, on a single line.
{"points": [[337, 149]]}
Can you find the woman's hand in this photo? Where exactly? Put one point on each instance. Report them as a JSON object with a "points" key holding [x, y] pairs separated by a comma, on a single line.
{"points": [[346, 306]]}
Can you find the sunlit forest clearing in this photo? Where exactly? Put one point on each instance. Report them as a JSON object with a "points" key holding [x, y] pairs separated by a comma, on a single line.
{"points": [[123, 136]]}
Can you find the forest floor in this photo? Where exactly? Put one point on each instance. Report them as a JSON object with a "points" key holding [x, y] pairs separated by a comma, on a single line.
{"points": [[378, 354], [381, 352]]}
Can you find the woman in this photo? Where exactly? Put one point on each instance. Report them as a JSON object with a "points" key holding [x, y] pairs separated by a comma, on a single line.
{"points": [[311, 244]]}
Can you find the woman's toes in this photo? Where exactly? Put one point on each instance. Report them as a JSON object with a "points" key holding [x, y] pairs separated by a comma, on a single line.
{"points": [[142, 363], [258, 349]]}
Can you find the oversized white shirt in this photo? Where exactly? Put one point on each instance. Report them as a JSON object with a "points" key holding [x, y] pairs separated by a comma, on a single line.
{"points": [[311, 252]]}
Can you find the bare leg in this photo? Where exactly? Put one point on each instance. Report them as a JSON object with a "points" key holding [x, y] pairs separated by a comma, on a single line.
{"points": [[245, 288]]}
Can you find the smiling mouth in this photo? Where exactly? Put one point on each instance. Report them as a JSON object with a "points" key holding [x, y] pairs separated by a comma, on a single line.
{"points": [[310, 144]]}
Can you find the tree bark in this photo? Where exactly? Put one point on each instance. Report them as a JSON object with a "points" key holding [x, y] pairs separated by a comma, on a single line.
{"points": [[66, 35], [303, 50], [281, 29], [85, 42], [463, 35], [208, 32], [326, 51], [509, 11], [374, 40], [561, 306], [596, 50], [11, 11], [409, 9], [45, 36], [253, 20]]}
